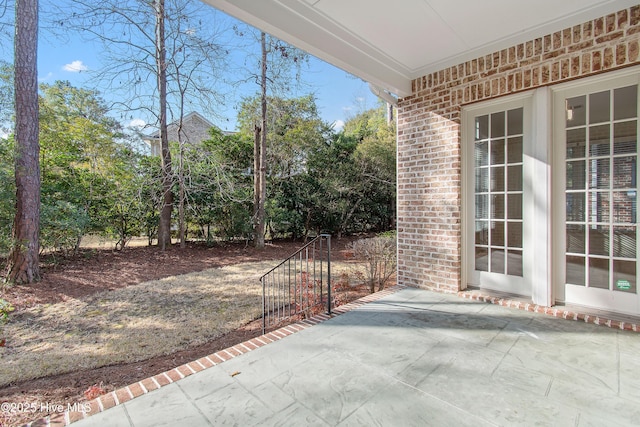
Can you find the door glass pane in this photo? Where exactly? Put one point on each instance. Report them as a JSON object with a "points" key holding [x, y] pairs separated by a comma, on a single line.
{"points": [[576, 238], [576, 143], [497, 208], [482, 127], [514, 178], [514, 263], [497, 125], [599, 240], [482, 259], [624, 242], [514, 149], [575, 207], [576, 175], [515, 123], [599, 140], [599, 107], [497, 260], [575, 273], [514, 234], [514, 210], [482, 206], [497, 152], [599, 173], [482, 153], [625, 103], [497, 179], [576, 111], [599, 273], [624, 207], [625, 137], [482, 233], [497, 233], [624, 276], [482, 180], [624, 172], [599, 206]]}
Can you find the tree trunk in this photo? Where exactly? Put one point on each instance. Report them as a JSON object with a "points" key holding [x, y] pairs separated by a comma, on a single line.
{"points": [[260, 161], [181, 185], [164, 226], [256, 182], [23, 262]]}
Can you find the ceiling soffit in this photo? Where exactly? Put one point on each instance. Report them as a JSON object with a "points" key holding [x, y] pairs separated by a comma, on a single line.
{"points": [[391, 43]]}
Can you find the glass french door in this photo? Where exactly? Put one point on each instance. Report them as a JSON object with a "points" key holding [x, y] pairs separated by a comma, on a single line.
{"points": [[496, 245], [599, 135]]}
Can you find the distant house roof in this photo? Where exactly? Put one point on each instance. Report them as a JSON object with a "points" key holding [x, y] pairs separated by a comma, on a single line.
{"points": [[195, 129]]}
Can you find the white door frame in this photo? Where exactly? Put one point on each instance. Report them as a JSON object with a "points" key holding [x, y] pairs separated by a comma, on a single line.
{"points": [[536, 197], [597, 298]]}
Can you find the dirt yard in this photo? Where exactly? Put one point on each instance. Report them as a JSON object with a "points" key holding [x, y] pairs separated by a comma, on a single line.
{"points": [[84, 283]]}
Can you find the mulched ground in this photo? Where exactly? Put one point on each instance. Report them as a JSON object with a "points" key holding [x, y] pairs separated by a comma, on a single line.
{"points": [[95, 270]]}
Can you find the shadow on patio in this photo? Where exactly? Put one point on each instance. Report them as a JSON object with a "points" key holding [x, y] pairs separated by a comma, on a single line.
{"points": [[411, 357]]}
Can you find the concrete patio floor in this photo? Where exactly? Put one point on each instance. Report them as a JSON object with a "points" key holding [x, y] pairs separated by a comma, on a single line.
{"points": [[411, 358]]}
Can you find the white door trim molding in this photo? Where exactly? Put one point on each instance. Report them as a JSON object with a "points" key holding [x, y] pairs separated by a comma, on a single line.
{"points": [[536, 194]]}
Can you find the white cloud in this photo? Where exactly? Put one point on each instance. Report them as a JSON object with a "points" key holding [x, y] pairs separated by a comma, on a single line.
{"points": [[338, 125], [137, 123], [49, 76], [3, 134], [75, 67]]}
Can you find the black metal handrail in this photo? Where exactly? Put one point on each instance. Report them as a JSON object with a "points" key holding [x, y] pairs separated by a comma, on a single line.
{"points": [[297, 286]]}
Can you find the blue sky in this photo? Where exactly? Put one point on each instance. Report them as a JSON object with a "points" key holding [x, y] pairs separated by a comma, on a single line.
{"points": [[339, 95]]}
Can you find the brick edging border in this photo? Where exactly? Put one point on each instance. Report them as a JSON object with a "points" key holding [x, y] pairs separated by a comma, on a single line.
{"points": [[551, 311], [127, 393]]}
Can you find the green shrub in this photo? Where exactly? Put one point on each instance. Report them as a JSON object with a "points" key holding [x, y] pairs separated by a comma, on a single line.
{"points": [[62, 225], [5, 309]]}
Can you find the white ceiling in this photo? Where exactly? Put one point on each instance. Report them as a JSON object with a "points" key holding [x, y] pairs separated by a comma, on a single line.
{"points": [[389, 43]]}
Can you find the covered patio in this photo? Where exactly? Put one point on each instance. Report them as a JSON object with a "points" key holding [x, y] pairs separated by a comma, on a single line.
{"points": [[404, 357], [411, 356]]}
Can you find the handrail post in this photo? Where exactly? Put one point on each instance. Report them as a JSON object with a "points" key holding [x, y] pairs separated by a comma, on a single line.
{"points": [[328, 237], [264, 307], [285, 289]]}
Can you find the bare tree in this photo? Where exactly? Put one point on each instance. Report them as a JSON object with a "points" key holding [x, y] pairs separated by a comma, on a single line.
{"points": [[189, 56], [135, 35], [276, 62], [260, 153], [164, 227], [6, 20], [23, 263]]}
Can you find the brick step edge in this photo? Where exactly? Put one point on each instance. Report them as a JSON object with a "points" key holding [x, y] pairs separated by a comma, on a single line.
{"points": [[558, 312]]}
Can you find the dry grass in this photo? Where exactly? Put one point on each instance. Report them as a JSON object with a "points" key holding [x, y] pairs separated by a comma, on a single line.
{"points": [[132, 323]]}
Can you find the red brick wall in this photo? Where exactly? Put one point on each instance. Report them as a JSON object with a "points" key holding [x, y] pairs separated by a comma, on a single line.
{"points": [[429, 162]]}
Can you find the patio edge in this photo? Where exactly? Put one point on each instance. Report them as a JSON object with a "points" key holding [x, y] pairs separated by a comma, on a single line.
{"points": [[127, 393], [142, 387]]}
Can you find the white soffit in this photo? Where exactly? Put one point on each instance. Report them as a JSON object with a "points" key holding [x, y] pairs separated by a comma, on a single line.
{"points": [[389, 43]]}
